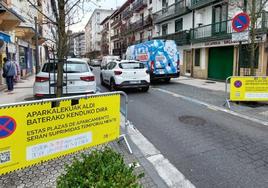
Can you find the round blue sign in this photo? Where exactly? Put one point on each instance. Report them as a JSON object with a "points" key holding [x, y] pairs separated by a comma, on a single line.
{"points": [[240, 22], [7, 126]]}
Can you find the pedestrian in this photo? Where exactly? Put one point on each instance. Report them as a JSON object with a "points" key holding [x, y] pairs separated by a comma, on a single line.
{"points": [[9, 71]]}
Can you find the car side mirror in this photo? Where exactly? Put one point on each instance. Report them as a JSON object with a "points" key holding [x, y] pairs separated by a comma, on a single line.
{"points": [[91, 68]]}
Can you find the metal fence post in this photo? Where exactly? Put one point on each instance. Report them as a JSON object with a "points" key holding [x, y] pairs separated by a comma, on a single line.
{"points": [[227, 100]]}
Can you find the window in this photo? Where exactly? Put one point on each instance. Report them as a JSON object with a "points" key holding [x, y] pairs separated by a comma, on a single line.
{"points": [[178, 25], [131, 65], [197, 58], [164, 29], [70, 67], [111, 65]]}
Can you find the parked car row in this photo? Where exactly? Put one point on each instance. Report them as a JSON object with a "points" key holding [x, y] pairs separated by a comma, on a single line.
{"points": [[152, 60]]}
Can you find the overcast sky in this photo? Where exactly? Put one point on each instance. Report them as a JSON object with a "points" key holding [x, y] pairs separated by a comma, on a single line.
{"points": [[105, 4]]}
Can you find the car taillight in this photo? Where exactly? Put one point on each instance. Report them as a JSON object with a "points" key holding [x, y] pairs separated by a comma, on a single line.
{"points": [[41, 79], [152, 66], [117, 72], [88, 78]]}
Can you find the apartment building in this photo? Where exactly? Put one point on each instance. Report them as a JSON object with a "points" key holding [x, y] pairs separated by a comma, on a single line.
{"points": [[203, 31], [131, 23], [106, 46], [17, 23], [93, 32]]}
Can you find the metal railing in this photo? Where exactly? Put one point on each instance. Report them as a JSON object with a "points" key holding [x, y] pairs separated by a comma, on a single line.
{"points": [[201, 3], [181, 37], [115, 36], [172, 11], [127, 13], [224, 30], [139, 5], [116, 22]]}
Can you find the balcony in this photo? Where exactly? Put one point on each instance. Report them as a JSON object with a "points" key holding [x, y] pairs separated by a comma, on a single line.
{"points": [[116, 23], [181, 37], [175, 10], [114, 37], [223, 30], [201, 3], [127, 14], [138, 25], [138, 5]]}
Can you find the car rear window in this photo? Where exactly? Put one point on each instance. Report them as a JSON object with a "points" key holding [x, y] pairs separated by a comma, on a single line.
{"points": [[131, 65], [69, 67]]}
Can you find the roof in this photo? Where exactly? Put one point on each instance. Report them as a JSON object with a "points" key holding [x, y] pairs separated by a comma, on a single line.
{"points": [[122, 8], [105, 20]]}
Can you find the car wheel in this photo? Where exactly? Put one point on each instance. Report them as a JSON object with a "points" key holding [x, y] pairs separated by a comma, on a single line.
{"points": [[101, 79], [145, 89], [112, 85]]}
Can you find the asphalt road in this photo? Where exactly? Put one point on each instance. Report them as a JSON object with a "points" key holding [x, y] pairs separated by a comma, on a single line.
{"points": [[211, 148]]}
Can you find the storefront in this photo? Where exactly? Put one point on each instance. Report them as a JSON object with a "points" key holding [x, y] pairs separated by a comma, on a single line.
{"points": [[4, 40]]}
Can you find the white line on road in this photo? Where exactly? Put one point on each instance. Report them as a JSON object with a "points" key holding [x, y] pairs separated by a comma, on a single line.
{"points": [[210, 106], [168, 172]]}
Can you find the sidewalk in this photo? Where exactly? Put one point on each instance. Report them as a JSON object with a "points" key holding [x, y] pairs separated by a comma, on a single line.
{"points": [[213, 92], [45, 174]]}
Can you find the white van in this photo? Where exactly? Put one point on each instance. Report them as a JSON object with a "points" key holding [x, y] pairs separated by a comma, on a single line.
{"points": [[107, 59]]}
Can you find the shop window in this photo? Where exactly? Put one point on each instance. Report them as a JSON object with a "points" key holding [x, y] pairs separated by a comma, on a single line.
{"points": [[197, 57], [245, 57]]}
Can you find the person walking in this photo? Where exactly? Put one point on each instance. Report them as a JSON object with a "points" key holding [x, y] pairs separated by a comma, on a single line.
{"points": [[9, 71]]}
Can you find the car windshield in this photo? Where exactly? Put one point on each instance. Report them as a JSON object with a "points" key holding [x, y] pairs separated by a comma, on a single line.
{"points": [[69, 67], [131, 65]]}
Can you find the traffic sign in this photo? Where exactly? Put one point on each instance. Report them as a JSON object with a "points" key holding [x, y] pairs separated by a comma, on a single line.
{"points": [[240, 22], [7, 126]]}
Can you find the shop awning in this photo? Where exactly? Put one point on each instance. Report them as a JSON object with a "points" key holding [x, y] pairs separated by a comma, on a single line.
{"points": [[24, 32], [5, 37]]}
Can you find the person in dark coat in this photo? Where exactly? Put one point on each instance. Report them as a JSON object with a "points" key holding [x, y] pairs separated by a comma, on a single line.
{"points": [[9, 70]]}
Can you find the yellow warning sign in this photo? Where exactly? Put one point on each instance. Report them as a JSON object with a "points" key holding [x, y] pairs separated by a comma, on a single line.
{"points": [[38, 132], [249, 89]]}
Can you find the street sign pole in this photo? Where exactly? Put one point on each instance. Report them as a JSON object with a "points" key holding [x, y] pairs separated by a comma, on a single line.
{"points": [[240, 24]]}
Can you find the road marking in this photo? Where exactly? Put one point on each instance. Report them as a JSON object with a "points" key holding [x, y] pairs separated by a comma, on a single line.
{"points": [[168, 172], [213, 107]]}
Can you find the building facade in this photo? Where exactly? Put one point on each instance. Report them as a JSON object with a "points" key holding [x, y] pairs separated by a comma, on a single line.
{"points": [[132, 23], [93, 32], [106, 46], [202, 30], [20, 44]]}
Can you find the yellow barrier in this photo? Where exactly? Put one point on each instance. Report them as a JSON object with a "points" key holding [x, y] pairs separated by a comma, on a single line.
{"points": [[32, 133], [249, 88]]}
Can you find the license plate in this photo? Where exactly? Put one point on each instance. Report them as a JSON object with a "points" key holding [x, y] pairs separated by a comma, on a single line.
{"points": [[135, 82], [161, 72]]}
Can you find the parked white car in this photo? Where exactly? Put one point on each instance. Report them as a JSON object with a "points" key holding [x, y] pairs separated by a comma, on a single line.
{"points": [[77, 79], [125, 74]]}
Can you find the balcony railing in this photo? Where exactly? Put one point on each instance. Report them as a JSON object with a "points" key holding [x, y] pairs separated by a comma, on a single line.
{"points": [[116, 22], [138, 25], [172, 11], [201, 3], [139, 5], [127, 14], [181, 37], [114, 36], [224, 30]]}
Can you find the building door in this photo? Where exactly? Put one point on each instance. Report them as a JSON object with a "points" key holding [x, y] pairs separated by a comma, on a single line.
{"points": [[188, 62], [220, 65]]}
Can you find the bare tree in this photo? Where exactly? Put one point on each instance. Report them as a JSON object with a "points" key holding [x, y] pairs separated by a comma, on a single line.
{"points": [[255, 9], [65, 13]]}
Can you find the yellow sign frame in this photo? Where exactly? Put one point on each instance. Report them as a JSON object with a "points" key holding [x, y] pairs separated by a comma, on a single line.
{"points": [[44, 132], [248, 88]]}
